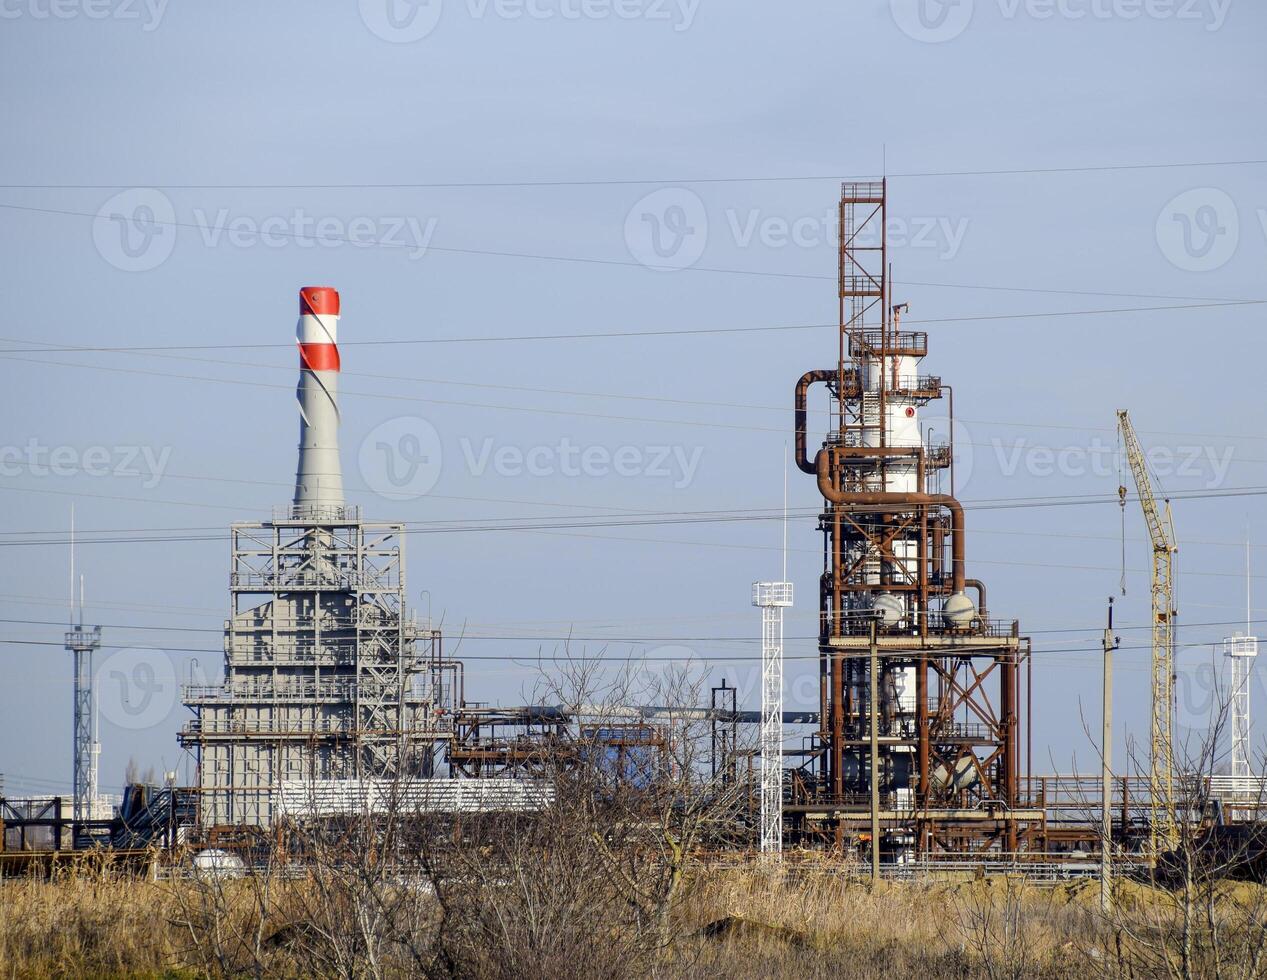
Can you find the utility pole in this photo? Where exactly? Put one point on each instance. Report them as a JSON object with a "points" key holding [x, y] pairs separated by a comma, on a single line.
{"points": [[873, 724], [1106, 769]]}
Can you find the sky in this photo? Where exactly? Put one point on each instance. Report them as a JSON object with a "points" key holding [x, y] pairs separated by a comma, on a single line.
{"points": [[485, 180]]}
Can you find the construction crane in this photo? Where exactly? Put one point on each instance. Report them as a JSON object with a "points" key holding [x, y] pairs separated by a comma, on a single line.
{"points": [[1162, 832]]}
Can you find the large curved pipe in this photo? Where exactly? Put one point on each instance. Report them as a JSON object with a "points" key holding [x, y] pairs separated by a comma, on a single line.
{"points": [[822, 467], [976, 583], [803, 461]]}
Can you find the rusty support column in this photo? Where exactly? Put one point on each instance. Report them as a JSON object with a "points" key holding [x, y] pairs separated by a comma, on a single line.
{"points": [[921, 723], [873, 727]]}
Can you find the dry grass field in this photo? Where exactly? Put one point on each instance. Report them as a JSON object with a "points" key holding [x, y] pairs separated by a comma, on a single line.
{"points": [[737, 923]]}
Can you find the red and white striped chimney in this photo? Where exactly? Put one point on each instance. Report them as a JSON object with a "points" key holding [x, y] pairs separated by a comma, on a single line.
{"points": [[319, 478]]}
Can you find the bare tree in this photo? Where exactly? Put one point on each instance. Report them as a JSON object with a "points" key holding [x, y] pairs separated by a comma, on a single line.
{"points": [[1188, 920]]}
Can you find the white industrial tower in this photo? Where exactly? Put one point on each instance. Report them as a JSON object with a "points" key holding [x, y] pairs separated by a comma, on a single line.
{"points": [[773, 598], [325, 682], [1241, 651]]}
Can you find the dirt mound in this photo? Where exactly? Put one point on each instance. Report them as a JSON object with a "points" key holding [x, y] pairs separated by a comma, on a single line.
{"points": [[730, 928]]}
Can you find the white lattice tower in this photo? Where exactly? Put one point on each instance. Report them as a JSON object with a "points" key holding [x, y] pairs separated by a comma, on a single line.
{"points": [[1241, 651], [773, 598]]}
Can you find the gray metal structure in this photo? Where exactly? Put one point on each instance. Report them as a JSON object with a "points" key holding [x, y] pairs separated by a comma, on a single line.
{"points": [[326, 676], [772, 598], [83, 643]]}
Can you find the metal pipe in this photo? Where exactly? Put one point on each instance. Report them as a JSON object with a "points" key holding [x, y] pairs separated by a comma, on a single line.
{"points": [[976, 583], [809, 378], [822, 466]]}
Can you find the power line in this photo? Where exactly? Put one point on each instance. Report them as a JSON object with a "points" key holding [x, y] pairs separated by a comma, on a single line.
{"points": [[158, 352], [581, 259], [616, 334], [604, 658], [463, 635], [658, 518], [620, 182]]}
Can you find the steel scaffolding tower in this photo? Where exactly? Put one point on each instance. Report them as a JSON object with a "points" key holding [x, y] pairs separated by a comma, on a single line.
{"points": [[325, 677], [929, 738], [1241, 651], [773, 598]]}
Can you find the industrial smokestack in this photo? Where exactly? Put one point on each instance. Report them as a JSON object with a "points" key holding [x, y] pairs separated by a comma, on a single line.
{"points": [[319, 479]]}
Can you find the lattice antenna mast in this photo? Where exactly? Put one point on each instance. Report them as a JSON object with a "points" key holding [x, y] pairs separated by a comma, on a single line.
{"points": [[1163, 833], [82, 644], [772, 598]]}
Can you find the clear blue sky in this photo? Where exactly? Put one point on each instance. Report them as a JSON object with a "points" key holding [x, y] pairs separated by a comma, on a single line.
{"points": [[211, 121]]}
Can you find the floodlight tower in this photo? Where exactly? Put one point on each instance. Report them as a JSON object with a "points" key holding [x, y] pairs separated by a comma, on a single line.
{"points": [[773, 598], [1241, 651]]}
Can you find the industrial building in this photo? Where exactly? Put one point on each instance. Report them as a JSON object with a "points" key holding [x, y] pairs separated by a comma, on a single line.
{"points": [[326, 674], [918, 748], [933, 728]]}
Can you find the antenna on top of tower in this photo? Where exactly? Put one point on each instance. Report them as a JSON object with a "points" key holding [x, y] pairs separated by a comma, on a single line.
{"points": [[784, 520], [71, 620]]}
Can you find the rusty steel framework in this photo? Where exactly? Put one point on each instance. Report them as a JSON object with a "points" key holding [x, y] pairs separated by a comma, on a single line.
{"points": [[946, 742]]}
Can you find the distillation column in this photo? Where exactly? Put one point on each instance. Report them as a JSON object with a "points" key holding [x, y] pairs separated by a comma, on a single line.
{"points": [[893, 539]]}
